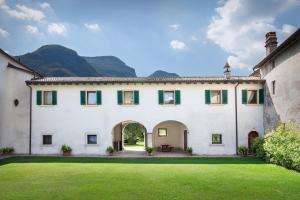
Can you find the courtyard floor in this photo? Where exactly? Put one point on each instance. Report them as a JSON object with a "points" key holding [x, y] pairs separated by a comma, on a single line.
{"points": [[140, 178]]}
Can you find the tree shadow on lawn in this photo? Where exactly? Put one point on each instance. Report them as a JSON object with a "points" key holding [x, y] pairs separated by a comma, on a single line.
{"points": [[202, 160]]}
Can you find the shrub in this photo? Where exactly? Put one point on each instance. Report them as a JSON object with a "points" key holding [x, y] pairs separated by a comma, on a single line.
{"points": [[6, 150], [282, 146], [66, 148], [258, 147], [149, 150], [189, 150], [110, 150], [243, 150]]}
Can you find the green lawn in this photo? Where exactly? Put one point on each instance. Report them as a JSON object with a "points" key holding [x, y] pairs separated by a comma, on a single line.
{"points": [[138, 145], [154, 178]]}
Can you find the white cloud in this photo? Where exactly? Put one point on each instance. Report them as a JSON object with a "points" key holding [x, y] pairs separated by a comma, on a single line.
{"points": [[44, 5], [175, 27], [57, 29], [22, 12], [175, 44], [194, 38], [92, 27], [32, 29], [239, 28], [3, 33], [288, 29]]}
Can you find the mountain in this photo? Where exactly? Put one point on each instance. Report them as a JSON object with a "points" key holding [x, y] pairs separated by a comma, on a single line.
{"points": [[160, 73], [56, 60], [110, 66]]}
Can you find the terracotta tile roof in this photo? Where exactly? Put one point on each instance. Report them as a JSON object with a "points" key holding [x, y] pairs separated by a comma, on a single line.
{"points": [[220, 79]]}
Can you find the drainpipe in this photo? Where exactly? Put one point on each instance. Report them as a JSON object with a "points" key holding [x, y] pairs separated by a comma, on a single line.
{"points": [[30, 118], [236, 122]]}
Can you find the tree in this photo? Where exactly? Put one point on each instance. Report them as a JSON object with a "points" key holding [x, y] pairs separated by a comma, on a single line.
{"points": [[133, 133]]}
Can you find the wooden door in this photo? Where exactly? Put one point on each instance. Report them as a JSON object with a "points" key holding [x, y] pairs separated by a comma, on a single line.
{"points": [[251, 136]]}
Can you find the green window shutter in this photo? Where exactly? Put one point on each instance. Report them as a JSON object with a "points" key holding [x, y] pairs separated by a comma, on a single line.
{"points": [[136, 97], [99, 97], [160, 96], [177, 97], [54, 97], [224, 96], [38, 97], [82, 97], [244, 97], [207, 96], [120, 97], [261, 96]]}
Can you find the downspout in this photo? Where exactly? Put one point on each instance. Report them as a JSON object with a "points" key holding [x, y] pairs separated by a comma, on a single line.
{"points": [[30, 117], [236, 122]]}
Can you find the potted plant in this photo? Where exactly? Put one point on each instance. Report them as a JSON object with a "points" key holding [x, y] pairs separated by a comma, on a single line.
{"points": [[110, 150], [243, 150], [149, 150], [66, 150], [6, 150], [189, 150]]}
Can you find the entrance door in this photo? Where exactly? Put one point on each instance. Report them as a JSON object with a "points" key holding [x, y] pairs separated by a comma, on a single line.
{"points": [[251, 136], [185, 140]]}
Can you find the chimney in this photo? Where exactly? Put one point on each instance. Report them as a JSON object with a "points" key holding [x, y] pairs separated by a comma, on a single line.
{"points": [[271, 42], [227, 71]]}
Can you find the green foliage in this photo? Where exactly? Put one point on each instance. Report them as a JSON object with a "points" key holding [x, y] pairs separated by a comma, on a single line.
{"points": [[6, 150], [258, 147], [134, 132], [243, 150], [282, 146], [189, 150], [110, 149], [149, 149], [66, 148]]}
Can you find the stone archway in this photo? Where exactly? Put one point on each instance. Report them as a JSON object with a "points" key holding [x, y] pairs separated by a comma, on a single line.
{"points": [[118, 134], [251, 136], [170, 135]]}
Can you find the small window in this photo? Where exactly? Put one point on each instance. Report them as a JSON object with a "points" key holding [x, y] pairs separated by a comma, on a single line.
{"points": [[128, 97], [273, 87], [216, 139], [162, 132], [47, 97], [91, 139], [169, 97], [47, 139], [252, 96], [91, 98], [215, 96]]}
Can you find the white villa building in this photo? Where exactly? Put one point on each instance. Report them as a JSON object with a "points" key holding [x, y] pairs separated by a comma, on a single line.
{"points": [[213, 115]]}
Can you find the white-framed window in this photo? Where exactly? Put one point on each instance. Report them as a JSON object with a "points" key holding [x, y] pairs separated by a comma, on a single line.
{"points": [[252, 97], [215, 97], [169, 97], [216, 138], [47, 97], [128, 97], [91, 138], [47, 139], [162, 132], [91, 98]]}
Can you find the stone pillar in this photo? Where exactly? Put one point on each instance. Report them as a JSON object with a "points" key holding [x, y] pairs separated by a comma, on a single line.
{"points": [[148, 140]]}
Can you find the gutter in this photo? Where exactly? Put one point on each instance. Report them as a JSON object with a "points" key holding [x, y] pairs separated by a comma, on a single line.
{"points": [[236, 122], [30, 118]]}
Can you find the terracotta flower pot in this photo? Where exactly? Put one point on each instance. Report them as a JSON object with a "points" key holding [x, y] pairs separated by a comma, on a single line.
{"points": [[67, 153]]}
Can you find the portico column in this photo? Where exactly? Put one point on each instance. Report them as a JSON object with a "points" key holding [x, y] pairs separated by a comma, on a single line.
{"points": [[148, 140]]}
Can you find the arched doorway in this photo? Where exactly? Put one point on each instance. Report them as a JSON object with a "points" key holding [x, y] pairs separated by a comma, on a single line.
{"points": [[251, 136], [129, 135], [169, 136]]}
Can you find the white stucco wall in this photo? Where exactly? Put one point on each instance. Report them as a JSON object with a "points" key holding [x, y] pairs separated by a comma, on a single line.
{"points": [[14, 120], [69, 121], [284, 105]]}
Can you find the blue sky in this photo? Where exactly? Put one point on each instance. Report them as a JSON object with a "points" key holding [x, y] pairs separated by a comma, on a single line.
{"points": [[191, 38]]}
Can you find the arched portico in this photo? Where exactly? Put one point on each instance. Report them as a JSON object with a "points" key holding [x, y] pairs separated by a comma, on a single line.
{"points": [[118, 134], [170, 135], [251, 136]]}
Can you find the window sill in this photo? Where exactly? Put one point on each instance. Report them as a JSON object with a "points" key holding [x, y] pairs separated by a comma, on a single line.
{"points": [[46, 145], [217, 145], [46, 105], [91, 105], [91, 145], [129, 105], [216, 104]]}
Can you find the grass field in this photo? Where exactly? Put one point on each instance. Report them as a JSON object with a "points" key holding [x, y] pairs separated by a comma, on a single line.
{"points": [[154, 178], [138, 145]]}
